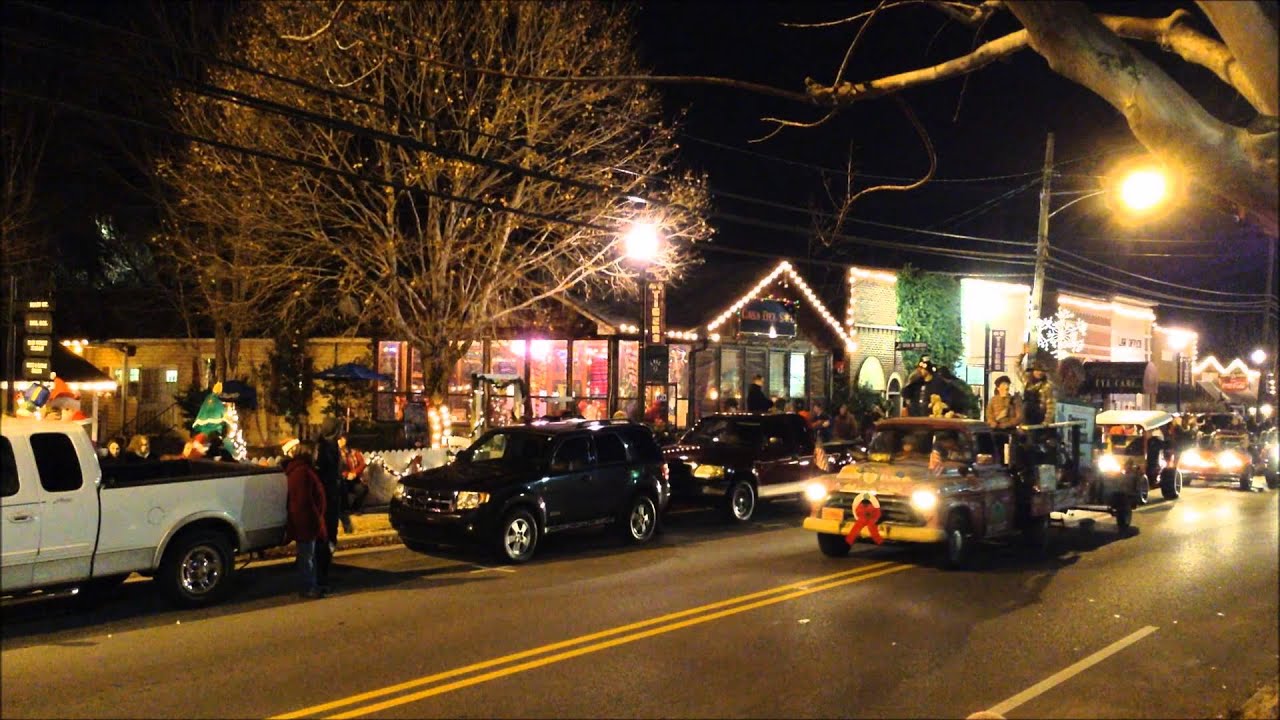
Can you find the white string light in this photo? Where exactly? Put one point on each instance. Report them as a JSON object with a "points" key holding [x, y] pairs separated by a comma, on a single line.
{"points": [[784, 266]]}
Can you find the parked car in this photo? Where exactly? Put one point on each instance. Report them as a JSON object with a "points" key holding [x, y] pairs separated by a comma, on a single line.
{"points": [[1269, 458], [1224, 455], [70, 523], [516, 484], [731, 459]]}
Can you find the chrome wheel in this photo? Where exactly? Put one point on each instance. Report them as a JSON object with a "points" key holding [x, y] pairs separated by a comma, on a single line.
{"points": [[742, 501], [519, 536], [201, 570], [643, 519]]}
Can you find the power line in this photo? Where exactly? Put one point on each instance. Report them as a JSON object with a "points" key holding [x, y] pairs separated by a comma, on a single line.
{"points": [[1154, 280], [1128, 289]]}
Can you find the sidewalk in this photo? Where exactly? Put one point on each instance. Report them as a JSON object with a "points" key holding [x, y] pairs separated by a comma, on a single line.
{"points": [[371, 528]]}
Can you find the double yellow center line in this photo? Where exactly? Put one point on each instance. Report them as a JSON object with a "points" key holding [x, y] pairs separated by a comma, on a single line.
{"points": [[586, 644]]}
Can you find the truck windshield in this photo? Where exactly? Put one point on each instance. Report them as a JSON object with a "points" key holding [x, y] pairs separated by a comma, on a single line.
{"points": [[508, 446], [890, 444], [726, 431]]}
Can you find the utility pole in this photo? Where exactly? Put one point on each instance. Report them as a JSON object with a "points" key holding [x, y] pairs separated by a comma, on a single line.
{"points": [[1042, 249]]}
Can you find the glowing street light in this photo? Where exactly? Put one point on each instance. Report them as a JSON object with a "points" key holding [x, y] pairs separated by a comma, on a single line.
{"points": [[1258, 356], [641, 242], [1144, 189]]}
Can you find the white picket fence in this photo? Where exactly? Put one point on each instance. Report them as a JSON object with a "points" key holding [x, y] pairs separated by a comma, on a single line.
{"points": [[385, 468]]}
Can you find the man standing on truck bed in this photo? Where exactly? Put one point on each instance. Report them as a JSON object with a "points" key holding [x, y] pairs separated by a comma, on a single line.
{"points": [[1037, 391]]}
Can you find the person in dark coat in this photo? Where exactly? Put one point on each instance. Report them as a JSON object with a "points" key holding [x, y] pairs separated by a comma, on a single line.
{"points": [[305, 523], [329, 468], [757, 401], [923, 384]]}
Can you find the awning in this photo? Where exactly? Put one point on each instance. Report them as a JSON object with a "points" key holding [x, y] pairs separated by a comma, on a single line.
{"points": [[75, 371]]}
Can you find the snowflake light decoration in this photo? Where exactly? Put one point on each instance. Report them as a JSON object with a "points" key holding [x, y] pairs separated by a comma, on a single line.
{"points": [[1062, 334]]}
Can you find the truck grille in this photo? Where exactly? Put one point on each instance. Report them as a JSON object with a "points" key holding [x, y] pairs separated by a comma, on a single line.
{"points": [[893, 508], [439, 501]]}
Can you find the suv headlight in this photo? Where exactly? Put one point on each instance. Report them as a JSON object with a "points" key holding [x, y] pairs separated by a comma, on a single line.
{"points": [[708, 472], [467, 500], [1110, 464], [924, 500], [398, 493]]}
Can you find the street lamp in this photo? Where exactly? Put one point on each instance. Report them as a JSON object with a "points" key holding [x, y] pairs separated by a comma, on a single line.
{"points": [[1258, 356], [1140, 188], [1178, 342], [642, 244]]}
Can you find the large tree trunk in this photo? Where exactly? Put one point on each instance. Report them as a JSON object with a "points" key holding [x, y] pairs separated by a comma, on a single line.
{"points": [[1238, 163]]}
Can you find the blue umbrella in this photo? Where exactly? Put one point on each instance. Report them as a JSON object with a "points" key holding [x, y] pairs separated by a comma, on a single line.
{"points": [[351, 371]]}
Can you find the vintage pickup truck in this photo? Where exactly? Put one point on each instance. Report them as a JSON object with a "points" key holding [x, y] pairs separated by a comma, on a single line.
{"points": [[69, 522], [955, 482]]}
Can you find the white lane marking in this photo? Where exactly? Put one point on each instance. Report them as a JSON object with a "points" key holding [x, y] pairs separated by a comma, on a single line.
{"points": [[1071, 671]]}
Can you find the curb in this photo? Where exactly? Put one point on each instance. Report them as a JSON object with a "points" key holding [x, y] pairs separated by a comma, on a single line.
{"points": [[345, 542]]}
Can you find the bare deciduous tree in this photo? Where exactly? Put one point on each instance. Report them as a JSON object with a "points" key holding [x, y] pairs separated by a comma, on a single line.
{"points": [[22, 144], [430, 202]]}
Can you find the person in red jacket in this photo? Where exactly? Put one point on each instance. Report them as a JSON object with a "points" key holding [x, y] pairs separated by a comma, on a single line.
{"points": [[305, 523]]}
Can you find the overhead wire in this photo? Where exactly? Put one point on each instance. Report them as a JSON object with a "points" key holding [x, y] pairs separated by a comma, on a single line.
{"points": [[279, 108]]}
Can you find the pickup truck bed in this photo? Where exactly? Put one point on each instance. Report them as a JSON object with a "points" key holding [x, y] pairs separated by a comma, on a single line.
{"points": [[69, 521]]}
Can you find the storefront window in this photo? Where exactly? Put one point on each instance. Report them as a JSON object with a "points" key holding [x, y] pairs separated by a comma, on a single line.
{"points": [[680, 380], [705, 394], [548, 368], [389, 363], [795, 377], [628, 376], [548, 377], [469, 364], [777, 385], [506, 357], [591, 378], [730, 375]]}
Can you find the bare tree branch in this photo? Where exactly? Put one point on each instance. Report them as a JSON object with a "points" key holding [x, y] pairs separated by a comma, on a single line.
{"points": [[1249, 30], [1238, 164]]}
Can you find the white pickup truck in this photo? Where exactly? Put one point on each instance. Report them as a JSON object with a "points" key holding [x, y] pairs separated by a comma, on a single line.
{"points": [[72, 522]]}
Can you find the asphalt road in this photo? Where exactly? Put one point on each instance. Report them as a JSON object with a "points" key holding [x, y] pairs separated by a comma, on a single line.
{"points": [[1176, 619]]}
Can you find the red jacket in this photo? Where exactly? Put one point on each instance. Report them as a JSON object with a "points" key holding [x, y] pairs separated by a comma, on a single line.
{"points": [[353, 464], [306, 503]]}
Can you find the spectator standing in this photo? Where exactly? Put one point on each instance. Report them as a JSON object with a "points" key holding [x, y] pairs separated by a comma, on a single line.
{"points": [[305, 524], [843, 425], [820, 422], [354, 488], [329, 468], [757, 401]]}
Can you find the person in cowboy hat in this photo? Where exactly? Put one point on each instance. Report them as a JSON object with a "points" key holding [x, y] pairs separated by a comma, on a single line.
{"points": [[1004, 411], [1037, 391]]}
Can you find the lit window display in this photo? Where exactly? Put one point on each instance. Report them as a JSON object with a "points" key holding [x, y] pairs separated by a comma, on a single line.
{"points": [[795, 378], [591, 378], [679, 377], [731, 375], [469, 364], [548, 376], [389, 363], [628, 376], [776, 386], [705, 394], [506, 357]]}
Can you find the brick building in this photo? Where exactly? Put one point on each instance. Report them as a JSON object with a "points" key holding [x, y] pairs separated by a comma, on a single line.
{"points": [[871, 315]]}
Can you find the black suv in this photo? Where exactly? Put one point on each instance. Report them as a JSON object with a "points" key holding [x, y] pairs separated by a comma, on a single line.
{"points": [[732, 458], [516, 484]]}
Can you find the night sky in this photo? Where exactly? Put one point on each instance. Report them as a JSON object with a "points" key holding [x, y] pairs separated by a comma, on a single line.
{"points": [[989, 142]]}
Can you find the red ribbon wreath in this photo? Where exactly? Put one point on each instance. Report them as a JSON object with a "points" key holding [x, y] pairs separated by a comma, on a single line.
{"points": [[866, 516]]}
